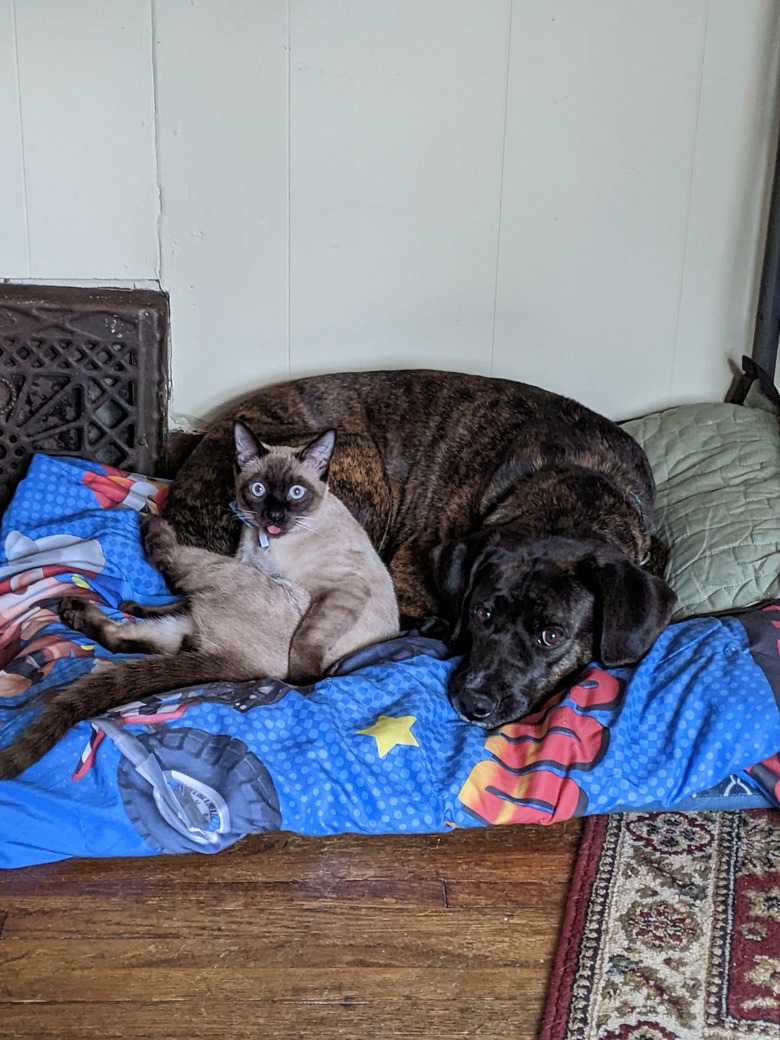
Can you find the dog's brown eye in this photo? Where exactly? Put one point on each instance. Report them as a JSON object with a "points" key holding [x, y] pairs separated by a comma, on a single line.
{"points": [[551, 636], [482, 614]]}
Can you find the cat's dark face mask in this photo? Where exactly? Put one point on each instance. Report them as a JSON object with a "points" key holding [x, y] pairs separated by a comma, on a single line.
{"points": [[277, 489], [277, 499]]}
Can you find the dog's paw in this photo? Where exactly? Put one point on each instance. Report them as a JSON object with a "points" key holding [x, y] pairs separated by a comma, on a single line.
{"points": [[431, 627]]}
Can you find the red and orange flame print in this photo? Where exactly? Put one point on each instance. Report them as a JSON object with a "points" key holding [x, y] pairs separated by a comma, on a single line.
{"points": [[115, 487], [527, 778]]}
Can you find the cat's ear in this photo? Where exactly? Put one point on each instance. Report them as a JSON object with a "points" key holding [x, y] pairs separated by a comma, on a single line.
{"points": [[247, 445], [317, 453]]}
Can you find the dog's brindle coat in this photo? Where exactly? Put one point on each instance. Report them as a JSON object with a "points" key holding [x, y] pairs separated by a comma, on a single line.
{"points": [[519, 518]]}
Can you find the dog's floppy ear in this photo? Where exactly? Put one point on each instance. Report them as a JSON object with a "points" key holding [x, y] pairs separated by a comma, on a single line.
{"points": [[454, 565], [632, 609]]}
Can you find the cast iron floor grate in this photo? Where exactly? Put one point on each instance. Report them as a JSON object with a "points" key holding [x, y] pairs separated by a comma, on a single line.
{"points": [[82, 372]]}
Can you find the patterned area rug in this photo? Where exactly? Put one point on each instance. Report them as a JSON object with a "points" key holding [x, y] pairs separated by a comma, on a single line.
{"points": [[672, 930]]}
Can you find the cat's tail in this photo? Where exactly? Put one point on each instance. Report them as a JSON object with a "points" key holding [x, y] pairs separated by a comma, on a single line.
{"points": [[106, 688]]}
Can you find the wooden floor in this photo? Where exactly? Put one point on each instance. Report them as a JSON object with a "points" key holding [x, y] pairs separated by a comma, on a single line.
{"points": [[287, 937]]}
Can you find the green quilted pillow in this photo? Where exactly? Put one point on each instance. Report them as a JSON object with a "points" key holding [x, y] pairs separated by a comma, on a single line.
{"points": [[717, 470]]}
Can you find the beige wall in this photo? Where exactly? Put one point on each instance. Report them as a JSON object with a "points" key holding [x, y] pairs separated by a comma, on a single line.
{"points": [[567, 192]]}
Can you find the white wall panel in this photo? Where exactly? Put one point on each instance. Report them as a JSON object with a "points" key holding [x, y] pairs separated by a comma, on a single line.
{"points": [[87, 112], [14, 259], [601, 125], [222, 116], [735, 150], [397, 115], [569, 192]]}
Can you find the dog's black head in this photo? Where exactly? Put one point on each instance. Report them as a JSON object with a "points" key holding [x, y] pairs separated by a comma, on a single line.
{"points": [[533, 615]]}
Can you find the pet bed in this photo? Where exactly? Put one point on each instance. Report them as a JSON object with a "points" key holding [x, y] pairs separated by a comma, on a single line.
{"points": [[375, 747]]}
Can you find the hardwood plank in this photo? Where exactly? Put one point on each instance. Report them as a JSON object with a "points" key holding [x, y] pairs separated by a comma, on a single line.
{"points": [[479, 854], [323, 985], [198, 1019], [435, 936], [325, 936], [54, 915]]}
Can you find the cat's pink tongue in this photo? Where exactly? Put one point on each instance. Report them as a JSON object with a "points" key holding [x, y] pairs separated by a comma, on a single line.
{"points": [[273, 529]]}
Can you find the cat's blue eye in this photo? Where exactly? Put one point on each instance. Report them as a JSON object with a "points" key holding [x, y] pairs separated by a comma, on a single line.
{"points": [[296, 492], [258, 489]]}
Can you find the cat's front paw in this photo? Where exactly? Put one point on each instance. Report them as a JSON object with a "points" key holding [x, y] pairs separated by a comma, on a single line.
{"points": [[158, 538]]}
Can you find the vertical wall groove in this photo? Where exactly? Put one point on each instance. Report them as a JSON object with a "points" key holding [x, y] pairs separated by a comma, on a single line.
{"points": [[288, 258], [501, 180], [21, 138]]}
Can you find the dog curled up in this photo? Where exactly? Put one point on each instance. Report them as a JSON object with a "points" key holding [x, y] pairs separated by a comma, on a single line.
{"points": [[515, 523]]}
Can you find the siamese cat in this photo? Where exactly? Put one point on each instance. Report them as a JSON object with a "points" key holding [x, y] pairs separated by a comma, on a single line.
{"points": [[242, 617], [295, 527]]}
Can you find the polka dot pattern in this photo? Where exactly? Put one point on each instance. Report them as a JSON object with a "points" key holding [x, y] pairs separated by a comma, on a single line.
{"points": [[698, 709], [53, 500]]}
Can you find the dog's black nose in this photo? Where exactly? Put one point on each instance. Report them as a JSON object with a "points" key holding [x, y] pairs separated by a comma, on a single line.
{"points": [[477, 707]]}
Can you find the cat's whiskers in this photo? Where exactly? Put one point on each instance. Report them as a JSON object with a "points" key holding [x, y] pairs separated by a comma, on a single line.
{"points": [[244, 516], [233, 514], [307, 523]]}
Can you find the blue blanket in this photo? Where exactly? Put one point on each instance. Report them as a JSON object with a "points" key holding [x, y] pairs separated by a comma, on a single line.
{"points": [[373, 748]]}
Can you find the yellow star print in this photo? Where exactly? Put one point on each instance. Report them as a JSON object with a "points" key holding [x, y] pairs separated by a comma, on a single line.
{"points": [[388, 732]]}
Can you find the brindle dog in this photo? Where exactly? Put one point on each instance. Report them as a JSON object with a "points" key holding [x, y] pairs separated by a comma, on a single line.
{"points": [[520, 519]]}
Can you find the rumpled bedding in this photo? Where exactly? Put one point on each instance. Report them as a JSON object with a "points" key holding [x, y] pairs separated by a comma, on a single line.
{"points": [[373, 748]]}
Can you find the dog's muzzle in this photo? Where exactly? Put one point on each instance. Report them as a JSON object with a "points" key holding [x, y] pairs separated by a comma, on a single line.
{"points": [[483, 709]]}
